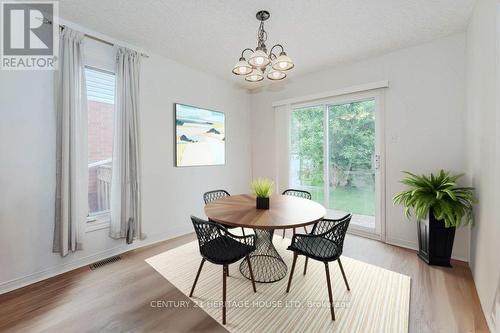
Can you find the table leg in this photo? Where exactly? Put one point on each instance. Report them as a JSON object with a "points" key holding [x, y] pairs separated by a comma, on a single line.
{"points": [[267, 264]]}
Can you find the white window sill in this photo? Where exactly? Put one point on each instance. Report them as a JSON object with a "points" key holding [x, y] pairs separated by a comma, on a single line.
{"points": [[97, 222]]}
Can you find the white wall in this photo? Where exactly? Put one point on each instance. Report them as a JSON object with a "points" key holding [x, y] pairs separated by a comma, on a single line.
{"points": [[483, 138], [424, 118], [170, 195]]}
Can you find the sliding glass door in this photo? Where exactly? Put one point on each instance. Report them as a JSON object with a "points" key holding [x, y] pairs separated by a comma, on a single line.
{"points": [[307, 151], [345, 133]]}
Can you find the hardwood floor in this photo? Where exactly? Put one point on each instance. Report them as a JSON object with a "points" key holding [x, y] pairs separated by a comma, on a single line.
{"points": [[118, 296]]}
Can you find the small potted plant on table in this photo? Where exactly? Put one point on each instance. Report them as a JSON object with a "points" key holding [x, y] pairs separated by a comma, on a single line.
{"points": [[439, 206], [262, 189]]}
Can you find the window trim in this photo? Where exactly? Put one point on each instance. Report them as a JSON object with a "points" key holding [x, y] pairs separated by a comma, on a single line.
{"points": [[98, 225], [100, 70], [335, 93]]}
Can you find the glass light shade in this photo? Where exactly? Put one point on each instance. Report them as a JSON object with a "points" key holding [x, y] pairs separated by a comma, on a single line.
{"points": [[242, 67], [283, 62], [275, 75], [255, 76], [259, 59]]}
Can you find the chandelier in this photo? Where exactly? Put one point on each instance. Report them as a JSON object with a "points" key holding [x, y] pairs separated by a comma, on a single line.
{"points": [[261, 63]]}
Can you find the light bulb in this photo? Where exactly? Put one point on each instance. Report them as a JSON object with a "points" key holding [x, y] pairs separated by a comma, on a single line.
{"points": [[254, 76], [242, 67], [276, 75], [283, 62], [259, 59]]}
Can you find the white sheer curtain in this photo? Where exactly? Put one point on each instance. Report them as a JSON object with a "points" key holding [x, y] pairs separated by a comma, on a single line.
{"points": [[495, 313], [125, 184], [71, 205]]}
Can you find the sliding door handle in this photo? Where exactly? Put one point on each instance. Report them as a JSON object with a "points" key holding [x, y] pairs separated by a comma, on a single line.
{"points": [[377, 162]]}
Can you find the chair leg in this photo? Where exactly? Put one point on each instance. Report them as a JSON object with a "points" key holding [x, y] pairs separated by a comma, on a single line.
{"points": [[329, 290], [294, 231], [305, 229], [224, 275], [343, 274], [305, 265], [291, 272], [251, 274], [284, 233], [197, 276], [243, 231]]}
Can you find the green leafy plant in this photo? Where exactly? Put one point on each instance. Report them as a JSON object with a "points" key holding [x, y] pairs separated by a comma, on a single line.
{"points": [[262, 188], [439, 193]]}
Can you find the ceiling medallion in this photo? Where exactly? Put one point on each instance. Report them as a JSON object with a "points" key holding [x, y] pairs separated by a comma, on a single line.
{"points": [[260, 63]]}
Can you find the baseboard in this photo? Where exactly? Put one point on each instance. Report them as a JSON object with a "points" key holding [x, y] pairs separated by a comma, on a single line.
{"points": [[414, 246], [364, 234], [84, 261], [402, 243]]}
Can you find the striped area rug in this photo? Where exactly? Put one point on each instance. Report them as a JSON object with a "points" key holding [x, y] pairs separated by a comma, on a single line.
{"points": [[378, 301]]}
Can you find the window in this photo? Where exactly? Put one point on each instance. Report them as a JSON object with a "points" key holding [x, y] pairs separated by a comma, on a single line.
{"points": [[341, 132], [100, 103]]}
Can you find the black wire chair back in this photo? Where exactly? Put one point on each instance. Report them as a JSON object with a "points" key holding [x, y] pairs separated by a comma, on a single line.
{"points": [[215, 195], [298, 193], [333, 229], [218, 245], [326, 240], [205, 231]]}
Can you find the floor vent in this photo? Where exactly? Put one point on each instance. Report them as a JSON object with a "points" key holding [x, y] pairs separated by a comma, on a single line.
{"points": [[106, 261]]}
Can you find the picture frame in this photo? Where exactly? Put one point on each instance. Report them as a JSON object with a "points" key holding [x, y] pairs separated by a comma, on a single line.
{"points": [[199, 136]]}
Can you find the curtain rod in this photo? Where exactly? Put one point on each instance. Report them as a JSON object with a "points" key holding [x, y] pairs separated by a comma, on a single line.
{"points": [[47, 21], [104, 41]]}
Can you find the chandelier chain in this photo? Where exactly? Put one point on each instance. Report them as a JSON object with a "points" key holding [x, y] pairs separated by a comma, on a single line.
{"points": [[261, 35]]}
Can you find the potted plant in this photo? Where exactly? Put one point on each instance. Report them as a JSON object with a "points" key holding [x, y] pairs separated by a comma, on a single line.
{"points": [[439, 206], [262, 189]]}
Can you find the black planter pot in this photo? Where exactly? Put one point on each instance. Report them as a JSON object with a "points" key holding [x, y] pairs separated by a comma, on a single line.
{"points": [[262, 203], [435, 241]]}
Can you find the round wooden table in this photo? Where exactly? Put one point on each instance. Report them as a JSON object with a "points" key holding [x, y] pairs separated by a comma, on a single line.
{"points": [[285, 212]]}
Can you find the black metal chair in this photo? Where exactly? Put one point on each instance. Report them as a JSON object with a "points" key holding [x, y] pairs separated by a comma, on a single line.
{"points": [[216, 195], [218, 246], [324, 243], [300, 194]]}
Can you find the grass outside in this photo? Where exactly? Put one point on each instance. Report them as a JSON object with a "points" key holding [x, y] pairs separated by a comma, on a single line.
{"points": [[354, 200]]}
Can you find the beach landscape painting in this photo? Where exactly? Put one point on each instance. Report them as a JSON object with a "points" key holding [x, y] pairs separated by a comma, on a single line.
{"points": [[200, 136]]}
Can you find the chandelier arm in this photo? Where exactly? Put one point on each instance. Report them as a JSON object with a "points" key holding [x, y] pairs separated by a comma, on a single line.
{"points": [[272, 48], [247, 49]]}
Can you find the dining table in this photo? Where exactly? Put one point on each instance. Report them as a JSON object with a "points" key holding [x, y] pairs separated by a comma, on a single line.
{"points": [[285, 212]]}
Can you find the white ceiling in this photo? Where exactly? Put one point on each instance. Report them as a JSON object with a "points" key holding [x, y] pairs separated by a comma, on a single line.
{"points": [[210, 34]]}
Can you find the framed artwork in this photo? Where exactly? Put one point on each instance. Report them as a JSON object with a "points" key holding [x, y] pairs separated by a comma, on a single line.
{"points": [[200, 137]]}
